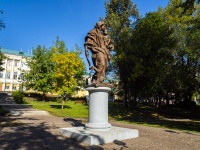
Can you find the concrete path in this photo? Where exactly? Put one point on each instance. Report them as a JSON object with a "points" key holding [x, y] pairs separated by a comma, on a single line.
{"points": [[7, 103]]}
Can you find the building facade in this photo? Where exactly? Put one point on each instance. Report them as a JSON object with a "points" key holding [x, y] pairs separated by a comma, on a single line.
{"points": [[14, 64]]}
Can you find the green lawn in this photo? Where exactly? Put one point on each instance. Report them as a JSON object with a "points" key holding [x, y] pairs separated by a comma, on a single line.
{"points": [[173, 118], [54, 108], [166, 117]]}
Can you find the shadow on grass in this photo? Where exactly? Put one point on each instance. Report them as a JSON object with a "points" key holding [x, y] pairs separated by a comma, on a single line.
{"points": [[167, 117], [60, 106]]}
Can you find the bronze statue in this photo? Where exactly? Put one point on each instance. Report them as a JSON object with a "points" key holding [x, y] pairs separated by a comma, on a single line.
{"points": [[100, 44]]}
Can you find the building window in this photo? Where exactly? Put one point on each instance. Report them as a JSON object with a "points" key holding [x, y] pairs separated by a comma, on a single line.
{"points": [[22, 64], [7, 86], [7, 75], [16, 63], [9, 63], [1, 74], [15, 75], [14, 87]]}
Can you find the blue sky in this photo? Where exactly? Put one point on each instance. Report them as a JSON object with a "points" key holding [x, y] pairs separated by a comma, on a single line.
{"points": [[37, 22]]}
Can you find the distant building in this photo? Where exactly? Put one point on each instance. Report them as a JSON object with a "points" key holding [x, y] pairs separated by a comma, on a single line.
{"points": [[13, 64], [81, 92]]}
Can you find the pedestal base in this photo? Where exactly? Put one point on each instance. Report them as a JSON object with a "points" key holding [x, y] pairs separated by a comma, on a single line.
{"points": [[99, 137], [97, 127]]}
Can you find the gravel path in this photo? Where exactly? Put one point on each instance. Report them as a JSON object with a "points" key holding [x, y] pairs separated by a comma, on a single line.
{"points": [[41, 132]]}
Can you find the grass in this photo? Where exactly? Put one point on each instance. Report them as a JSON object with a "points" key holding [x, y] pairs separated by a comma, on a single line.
{"points": [[54, 108], [166, 117]]}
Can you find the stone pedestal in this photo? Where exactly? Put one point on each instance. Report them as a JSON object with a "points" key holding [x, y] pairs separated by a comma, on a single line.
{"points": [[98, 130], [98, 109], [99, 137]]}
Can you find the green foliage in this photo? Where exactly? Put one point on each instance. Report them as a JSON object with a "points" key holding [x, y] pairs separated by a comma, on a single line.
{"points": [[69, 68], [151, 44], [41, 74], [157, 54], [18, 96], [2, 57], [120, 17], [55, 69], [188, 6], [2, 24], [186, 52]]}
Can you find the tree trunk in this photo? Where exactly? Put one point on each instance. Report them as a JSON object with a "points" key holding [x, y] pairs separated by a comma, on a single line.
{"points": [[190, 96], [125, 95], [160, 98], [44, 96], [167, 99], [63, 104], [156, 100], [135, 103]]}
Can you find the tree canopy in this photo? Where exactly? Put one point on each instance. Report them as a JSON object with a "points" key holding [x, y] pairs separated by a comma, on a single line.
{"points": [[41, 74], [2, 24], [54, 69], [120, 16], [2, 56], [69, 68], [156, 54]]}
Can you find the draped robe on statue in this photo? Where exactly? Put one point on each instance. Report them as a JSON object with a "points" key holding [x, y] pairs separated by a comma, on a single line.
{"points": [[100, 45]]}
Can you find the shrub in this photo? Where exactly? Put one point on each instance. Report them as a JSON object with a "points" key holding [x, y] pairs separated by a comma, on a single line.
{"points": [[59, 99], [3, 112], [18, 96], [35, 95], [188, 104]]}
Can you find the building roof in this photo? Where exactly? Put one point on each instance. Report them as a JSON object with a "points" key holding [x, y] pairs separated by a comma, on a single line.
{"points": [[15, 52]]}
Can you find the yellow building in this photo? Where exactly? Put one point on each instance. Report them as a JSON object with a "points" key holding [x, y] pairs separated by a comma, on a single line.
{"points": [[13, 66], [81, 92]]}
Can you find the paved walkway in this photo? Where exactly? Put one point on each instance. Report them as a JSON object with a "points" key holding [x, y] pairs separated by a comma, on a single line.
{"points": [[7, 102], [41, 132]]}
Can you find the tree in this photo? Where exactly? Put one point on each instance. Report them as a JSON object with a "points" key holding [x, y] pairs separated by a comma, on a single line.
{"points": [[186, 52], [69, 68], [2, 56], [41, 74], [120, 17], [141, 51], [188, 6], [2, 24], [157, 54], [151, 44]]}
